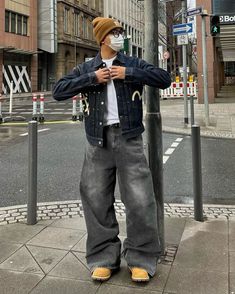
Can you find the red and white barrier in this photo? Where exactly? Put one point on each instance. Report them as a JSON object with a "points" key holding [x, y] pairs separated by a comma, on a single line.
{"points": [[34, 116], [176, 90], [42, 103]]}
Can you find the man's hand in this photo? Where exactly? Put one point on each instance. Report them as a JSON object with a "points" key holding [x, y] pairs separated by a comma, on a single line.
{"points": [[103, 75], [118, 72]]}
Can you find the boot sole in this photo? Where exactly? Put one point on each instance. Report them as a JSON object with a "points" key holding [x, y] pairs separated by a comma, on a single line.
{"points": [[140, 280], [97, 278]]}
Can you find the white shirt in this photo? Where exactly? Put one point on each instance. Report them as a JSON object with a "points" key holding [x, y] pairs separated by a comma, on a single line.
{"points": [[111, 114]]}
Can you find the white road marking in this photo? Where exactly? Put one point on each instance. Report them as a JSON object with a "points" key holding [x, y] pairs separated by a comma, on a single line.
{"points": [[39, 131], [170, 150], [174, 145], [165, 158], [43, 130], [179, 139], [24, 134]]}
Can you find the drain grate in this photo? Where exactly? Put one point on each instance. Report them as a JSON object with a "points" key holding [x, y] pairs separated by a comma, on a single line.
{"points": [[170, 254]]}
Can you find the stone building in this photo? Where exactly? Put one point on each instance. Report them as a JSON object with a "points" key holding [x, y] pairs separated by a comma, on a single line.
{"points": [[65, 36], [18, 46], [75, 33]]}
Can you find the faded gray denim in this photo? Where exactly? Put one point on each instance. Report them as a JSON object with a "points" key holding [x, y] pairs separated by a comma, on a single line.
{"points": [[126, 159]]}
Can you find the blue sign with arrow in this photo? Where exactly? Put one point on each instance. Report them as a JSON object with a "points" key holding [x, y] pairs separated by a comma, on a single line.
{"points": [[183, 29]]}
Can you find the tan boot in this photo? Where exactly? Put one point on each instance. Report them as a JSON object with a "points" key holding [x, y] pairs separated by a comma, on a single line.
{"points": [[139, 274], [101, 274]]}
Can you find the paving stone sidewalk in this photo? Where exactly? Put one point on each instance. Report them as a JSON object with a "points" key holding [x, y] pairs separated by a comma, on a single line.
{"points": [[49, 258], [222, 118]]}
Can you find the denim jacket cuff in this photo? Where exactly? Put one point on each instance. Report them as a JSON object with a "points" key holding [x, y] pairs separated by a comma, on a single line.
{"points": [[92, 78], [129, 73]]}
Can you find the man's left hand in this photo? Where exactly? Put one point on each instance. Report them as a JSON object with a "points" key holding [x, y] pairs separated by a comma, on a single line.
{"points": [[117, 72]]}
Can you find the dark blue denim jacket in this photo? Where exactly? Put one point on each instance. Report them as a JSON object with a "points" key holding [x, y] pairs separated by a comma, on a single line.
{"points": [[128, 91]]}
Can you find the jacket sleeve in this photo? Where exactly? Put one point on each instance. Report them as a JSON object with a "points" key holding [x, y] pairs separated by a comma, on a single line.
{"points": [[72, 84], [148, 74]]}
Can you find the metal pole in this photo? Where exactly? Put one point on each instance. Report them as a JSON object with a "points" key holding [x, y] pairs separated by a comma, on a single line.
{"points": [[205, 78], [184, 49], [197, 173], [153, 116], [192, 109], [32, 174]]}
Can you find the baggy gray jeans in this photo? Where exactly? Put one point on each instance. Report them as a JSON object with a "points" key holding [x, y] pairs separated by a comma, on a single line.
{"points": [[101, 164]]}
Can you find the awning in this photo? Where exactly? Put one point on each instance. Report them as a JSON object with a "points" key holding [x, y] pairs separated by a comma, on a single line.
{"points": [[18, 50]]}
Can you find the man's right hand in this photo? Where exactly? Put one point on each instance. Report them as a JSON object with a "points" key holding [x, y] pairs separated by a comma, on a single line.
{"points": [[103, 75]]}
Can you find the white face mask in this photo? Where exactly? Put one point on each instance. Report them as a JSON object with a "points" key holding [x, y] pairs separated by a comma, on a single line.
{"points": [[116, 43]]}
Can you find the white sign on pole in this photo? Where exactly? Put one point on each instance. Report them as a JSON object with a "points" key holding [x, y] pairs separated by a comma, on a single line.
{"points": [[181, 69], [182, 40]]}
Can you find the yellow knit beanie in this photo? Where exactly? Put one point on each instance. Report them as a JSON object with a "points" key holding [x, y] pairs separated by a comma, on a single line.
{"points": [[102, 26]]}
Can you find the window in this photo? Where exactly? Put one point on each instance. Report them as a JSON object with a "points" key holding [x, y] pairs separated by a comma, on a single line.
{"points": [[25, 25], [16, 23], [7, 21], [66, 20], [13, 22], [85, 27], [93, 4], [76, 24], [19, 24]]}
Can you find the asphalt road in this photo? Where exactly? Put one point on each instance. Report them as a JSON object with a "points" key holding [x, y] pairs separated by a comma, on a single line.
{"points": [[60, 158]]}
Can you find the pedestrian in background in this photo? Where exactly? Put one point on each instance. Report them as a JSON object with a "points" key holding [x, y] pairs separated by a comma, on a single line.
{"points": [[113, 84]]}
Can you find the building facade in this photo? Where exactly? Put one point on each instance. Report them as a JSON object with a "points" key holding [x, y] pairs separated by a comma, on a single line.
{"points": [[220, 50], [131, 15], [18, 46], [75, 37]]}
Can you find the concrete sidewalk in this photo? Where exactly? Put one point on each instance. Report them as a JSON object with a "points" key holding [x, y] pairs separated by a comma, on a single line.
{"points": [[49, 258], [222, 118]]}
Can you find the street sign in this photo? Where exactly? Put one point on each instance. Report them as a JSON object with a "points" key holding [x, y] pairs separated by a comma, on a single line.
{"points": [[227, 19], [183, 29], [182, 40], [194, 11]]}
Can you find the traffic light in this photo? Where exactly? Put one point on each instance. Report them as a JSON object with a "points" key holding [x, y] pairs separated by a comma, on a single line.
{"points": [[215, 25]]}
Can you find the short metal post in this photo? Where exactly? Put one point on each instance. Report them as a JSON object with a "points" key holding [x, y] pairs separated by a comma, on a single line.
{"points": [[74, 114], [197, 173], [32, 174], [41, 113], [80, 112], [192, 109]]}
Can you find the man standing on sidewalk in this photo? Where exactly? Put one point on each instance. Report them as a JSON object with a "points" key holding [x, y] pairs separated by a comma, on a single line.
{"points": [[113, 84]]}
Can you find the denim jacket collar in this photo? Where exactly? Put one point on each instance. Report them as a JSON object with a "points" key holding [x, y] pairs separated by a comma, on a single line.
{"points": [[98, 60]]}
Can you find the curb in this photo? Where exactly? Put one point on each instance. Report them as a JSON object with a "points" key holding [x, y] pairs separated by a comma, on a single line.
{"points": [[68, 209], [204, 133]]}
